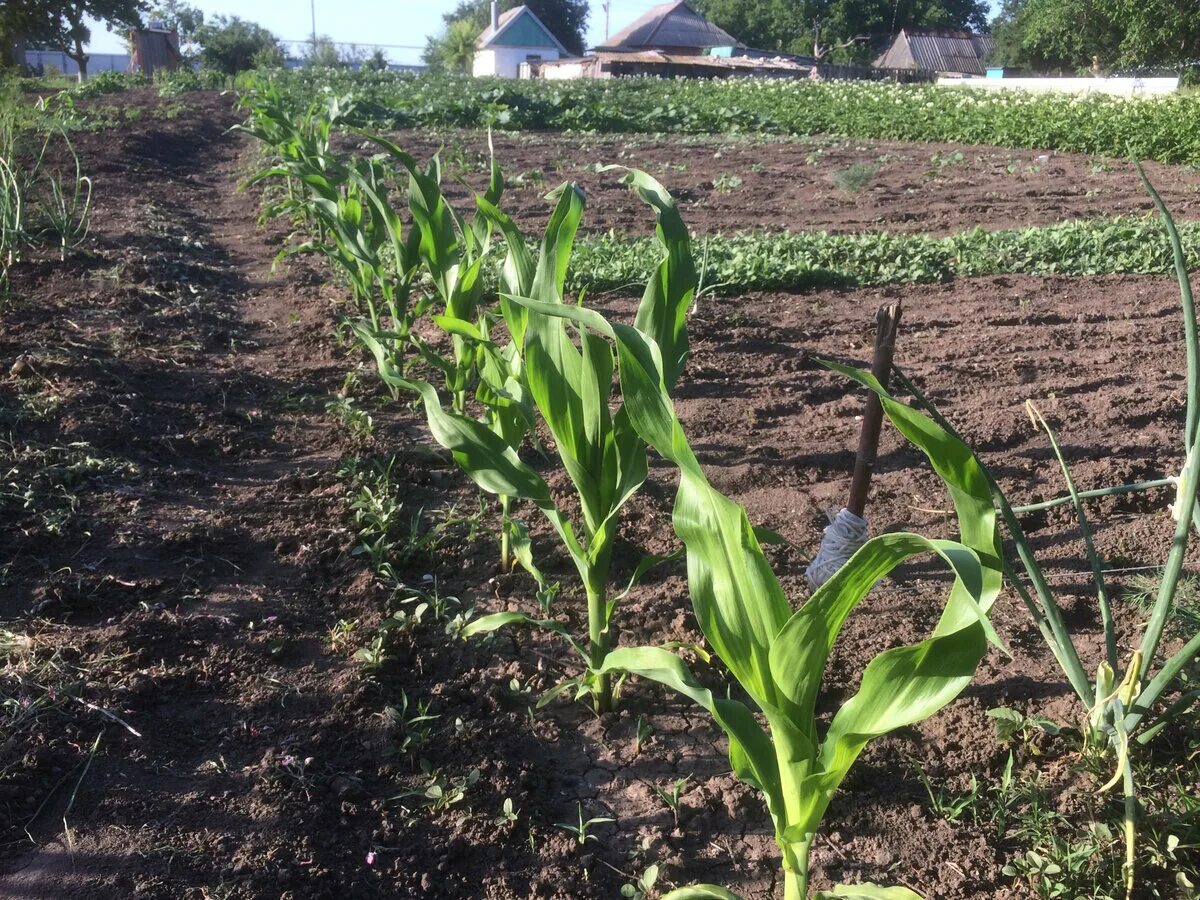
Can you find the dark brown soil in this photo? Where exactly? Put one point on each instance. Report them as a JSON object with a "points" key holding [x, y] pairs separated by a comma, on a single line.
{"points": [[190, 590], [736, 184]]}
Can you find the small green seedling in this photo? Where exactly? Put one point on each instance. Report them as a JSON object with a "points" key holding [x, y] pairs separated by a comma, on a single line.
{"points": [[508, 814], [645, 730], [643, 888], [581, 832], [671, 797]]}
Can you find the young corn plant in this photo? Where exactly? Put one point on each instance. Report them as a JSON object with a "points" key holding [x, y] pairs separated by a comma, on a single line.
{"points": [[446, 245], [778, 656], [570, 386], [1133, 695]]}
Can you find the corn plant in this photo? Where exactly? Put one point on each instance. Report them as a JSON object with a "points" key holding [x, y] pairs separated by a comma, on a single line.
{"points": [[453, 252], [301, 144], [1122, 706], [570, 387], [778, 656]]}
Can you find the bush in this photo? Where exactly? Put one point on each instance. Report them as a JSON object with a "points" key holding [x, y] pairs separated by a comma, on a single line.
{"points": [[231, 45], [109, 83]]}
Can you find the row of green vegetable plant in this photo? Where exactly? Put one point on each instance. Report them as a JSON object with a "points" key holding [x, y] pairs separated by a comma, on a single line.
{"points": [[39, 206], [1156, 128]]}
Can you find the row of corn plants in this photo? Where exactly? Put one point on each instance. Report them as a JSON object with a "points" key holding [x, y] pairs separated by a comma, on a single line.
{"points": [[526, 367], [1152, 128]]}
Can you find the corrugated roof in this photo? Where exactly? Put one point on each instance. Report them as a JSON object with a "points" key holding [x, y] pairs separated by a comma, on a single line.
{"points": [[670, 26], [507, 20], [938, 51]]}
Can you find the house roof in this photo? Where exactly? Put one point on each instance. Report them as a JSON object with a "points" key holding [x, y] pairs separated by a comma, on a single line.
{"points": [[519, 27], [672, 25], [938, 50]]}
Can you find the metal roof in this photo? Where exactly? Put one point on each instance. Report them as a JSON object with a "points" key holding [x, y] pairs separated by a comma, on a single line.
{"points": [[938, 51], [673, 25]]}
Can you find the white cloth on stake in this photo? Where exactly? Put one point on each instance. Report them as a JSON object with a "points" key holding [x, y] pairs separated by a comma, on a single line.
{"points": [[840, 541]]}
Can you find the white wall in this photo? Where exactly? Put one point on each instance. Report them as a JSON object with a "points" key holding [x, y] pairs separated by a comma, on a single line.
{"points": [[1125, 87], [505, 62], [563, 72]]}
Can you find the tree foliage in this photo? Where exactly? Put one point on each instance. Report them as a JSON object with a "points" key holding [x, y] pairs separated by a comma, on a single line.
{"points": [[230, 44], [1074, 35], [862, 26], [453, 51], [184, 18], [61, 25]]}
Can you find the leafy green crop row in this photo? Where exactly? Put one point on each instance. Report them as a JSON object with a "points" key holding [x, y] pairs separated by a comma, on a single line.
{"points": [[1162, 128], [793, 260]]}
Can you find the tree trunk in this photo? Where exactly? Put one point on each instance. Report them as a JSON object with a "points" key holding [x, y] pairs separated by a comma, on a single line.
{"points": [[81, 59]]}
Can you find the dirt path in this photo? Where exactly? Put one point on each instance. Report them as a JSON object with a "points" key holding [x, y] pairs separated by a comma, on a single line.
{"points": [[179, 595], [726, 184]]}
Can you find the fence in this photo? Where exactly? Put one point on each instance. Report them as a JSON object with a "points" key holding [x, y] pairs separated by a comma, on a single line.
{"points": [[1123, 87], [41, 60]]}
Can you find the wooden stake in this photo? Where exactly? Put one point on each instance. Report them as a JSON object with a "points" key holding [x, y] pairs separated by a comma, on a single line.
{"points": [[887, 323]]}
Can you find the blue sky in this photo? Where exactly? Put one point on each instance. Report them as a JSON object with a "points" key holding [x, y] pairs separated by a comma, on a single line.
{"points": [[365, 22]]}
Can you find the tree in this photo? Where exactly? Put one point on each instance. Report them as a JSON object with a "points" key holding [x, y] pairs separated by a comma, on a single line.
{"points": [[323, 53], [60, 25], [837, 30], [376, 62], [1078, 35], [184, 18], [454, 51], [231, 45]]}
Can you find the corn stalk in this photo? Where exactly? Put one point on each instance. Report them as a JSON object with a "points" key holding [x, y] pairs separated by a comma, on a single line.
{"points": [[778, 656]]}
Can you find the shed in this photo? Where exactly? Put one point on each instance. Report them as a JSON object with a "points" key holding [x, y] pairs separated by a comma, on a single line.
{"points": [[938, 50], [673, 28], [154, 48], [512, 39]]}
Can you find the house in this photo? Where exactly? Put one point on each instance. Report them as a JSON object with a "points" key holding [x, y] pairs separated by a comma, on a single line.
{"points": [[673, 28], [939, 51], [512, 40], [671, 40]]}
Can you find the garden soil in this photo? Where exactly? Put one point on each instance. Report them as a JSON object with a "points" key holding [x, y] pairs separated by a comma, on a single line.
{"points": [[192, 728]]}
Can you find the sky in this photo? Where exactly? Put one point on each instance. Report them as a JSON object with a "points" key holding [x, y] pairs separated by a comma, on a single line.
{"points": [[403, 23]]}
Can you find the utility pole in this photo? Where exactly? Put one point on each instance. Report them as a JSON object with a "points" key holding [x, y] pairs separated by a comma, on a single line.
{"points": [[313, 9], [605, 6]]}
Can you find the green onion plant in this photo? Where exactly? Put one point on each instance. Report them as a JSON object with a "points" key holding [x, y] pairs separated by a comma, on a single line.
{"points": [[1133, 694]]}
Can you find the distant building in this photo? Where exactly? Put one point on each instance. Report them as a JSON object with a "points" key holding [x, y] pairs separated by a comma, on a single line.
{"points": [[670, 40], [154, 47], [939, 51], [673, 28], [512, 40]]}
